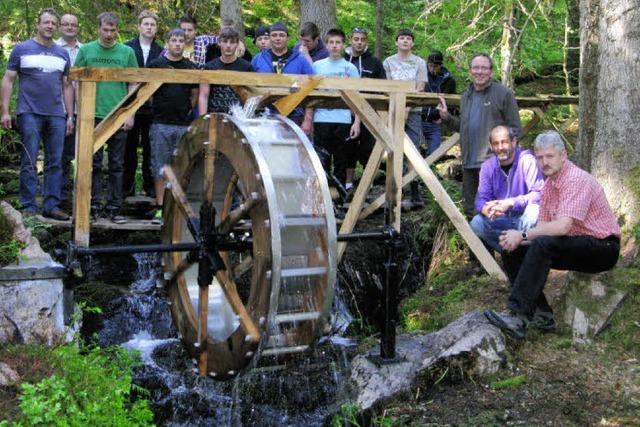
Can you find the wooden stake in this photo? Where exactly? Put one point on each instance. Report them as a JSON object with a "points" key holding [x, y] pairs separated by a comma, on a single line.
{"points": [[84, 159]]}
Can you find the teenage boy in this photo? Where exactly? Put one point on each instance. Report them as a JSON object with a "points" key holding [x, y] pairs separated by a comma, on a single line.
{"points": [[333, 129], [368, 67], [146, 50], [261, 38], [172, 106], [44, 112], [107, 52], [218, 98], [195, 48], [310, 44], [282, 60], [404, 65]]}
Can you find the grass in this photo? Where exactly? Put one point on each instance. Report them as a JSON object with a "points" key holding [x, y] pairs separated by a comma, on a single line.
{"points": [[71, 385], [10, 247], [512, 382]]}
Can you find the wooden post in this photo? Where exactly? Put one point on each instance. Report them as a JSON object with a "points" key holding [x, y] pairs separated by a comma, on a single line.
{"points": [[393, 186], [411, 175], [84, 162], [445, 202]]}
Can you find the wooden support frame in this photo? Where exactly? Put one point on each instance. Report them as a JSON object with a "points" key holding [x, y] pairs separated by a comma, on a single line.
{"points": [[363, 96]]}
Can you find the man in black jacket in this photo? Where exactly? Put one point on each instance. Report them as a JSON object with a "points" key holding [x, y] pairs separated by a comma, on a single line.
{"points": [[368, 67], [439, 80], [146, 50]]}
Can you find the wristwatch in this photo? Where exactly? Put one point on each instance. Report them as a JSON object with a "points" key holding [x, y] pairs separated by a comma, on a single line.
{"points": [[524, 236]]}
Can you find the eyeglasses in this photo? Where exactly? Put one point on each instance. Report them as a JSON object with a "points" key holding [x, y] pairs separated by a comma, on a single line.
{"points": [[480, 68], [359, 30]]}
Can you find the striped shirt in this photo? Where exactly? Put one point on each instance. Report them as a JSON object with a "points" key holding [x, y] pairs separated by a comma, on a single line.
{"points": [[574, 193]]}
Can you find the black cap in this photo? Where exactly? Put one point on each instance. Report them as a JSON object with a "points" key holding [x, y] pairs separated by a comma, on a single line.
{"points": [[260, 31], [278, 26], [435, 57]]}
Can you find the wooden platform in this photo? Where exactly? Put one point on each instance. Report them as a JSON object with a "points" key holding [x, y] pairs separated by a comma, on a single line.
{"points": [[133, 224]]}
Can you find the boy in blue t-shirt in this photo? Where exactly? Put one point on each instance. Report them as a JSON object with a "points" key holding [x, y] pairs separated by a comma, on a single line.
{"points": [[333, 131]]}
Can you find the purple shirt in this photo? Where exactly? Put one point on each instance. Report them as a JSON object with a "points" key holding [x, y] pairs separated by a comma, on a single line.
{"points": [[523, 184], [317, 53], [40, 70]]}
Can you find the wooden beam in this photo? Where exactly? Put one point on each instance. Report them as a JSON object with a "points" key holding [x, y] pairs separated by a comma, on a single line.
{"points": [[459, 221], [125, 109], [393, 185], [535, 119], [369, 117], [233, 78], [84, 162], [287, 104], [412, 174], [360, 195]]}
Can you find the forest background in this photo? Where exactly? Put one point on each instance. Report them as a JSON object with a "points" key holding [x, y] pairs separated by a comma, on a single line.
{"points": [[529, 39]]}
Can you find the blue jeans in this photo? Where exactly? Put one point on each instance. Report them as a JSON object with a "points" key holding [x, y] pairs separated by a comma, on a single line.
{"points": [[432, 135], [68, 155], [116, 147], [489, 230], [50, 130]]}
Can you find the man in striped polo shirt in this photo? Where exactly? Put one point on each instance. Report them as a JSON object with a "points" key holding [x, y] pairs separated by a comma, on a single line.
{"points": [[577, 230]]}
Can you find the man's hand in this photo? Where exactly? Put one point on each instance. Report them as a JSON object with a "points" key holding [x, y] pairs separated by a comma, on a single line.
{"points": [[510, 240], [128, 124], [70, 126], [307, 126], [354, 132], [496, 208], [6, 121], [442, 109]]}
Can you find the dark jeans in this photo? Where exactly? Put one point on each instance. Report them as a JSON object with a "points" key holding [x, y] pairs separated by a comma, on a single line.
{"points": [[470, 182], [50, 130], [116, 147], [138, 136], [68, 154], [432, 135], [529, 265], [330, 140]]}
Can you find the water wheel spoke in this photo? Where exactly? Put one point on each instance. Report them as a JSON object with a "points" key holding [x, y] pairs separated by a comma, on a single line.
{"points": [[231, 293], [209, 163], [244, 266], [203, 317], [239, 213], [180, 198]]}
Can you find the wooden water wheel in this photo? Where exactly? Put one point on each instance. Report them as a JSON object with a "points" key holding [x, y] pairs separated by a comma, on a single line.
{"points": [[267, 187]]}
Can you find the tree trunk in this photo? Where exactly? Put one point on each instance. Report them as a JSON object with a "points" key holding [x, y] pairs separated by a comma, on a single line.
{"points": [[507, 45], [321, 12], [615, 157], [379, 28], [571, 47], [232, 10]]}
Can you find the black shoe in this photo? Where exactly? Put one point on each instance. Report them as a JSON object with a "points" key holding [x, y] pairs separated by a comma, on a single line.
{"points": [[544, 321], [57, 214], [512, 324], [116, 218]]}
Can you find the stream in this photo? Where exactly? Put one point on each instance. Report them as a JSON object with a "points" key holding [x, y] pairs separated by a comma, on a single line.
{"points": [[305, 391]]}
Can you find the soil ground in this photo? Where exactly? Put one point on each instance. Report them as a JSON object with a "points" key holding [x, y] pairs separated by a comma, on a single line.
{"points": [[546, 380]]}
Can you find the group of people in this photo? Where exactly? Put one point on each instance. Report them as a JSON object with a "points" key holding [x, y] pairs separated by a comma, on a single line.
{"points": [[537, 209]]}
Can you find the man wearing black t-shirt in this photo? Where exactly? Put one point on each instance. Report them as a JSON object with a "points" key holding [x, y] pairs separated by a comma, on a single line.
{"points": [[172, 105], [218, 98]]}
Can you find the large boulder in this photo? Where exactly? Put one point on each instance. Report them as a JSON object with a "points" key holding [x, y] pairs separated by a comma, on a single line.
{"points": [[34, 305], [471, 337]]}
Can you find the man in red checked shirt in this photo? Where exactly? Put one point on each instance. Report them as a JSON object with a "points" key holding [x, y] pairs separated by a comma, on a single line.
{"points": [[576, 230]]}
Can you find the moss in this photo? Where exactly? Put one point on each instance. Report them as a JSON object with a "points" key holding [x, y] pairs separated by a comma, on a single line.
{"points": [[9, 246], [513, 382], [623, 333], [632, 182]]}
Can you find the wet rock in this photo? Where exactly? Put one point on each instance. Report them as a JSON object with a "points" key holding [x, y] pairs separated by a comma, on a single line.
{"points": [[589, 304], [471, 337], [34, 305], [8, 376]]}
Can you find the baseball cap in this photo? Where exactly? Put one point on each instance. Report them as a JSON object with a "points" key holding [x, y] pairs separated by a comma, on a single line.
{"points": [[278, 26], [435, 57], [260, 31]]}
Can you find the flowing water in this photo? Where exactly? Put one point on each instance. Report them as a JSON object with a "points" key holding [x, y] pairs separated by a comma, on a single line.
{"points": [[303, 391]]}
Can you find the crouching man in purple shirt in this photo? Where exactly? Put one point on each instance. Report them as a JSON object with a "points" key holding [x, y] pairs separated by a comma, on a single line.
{"points": [[509, 190]]}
